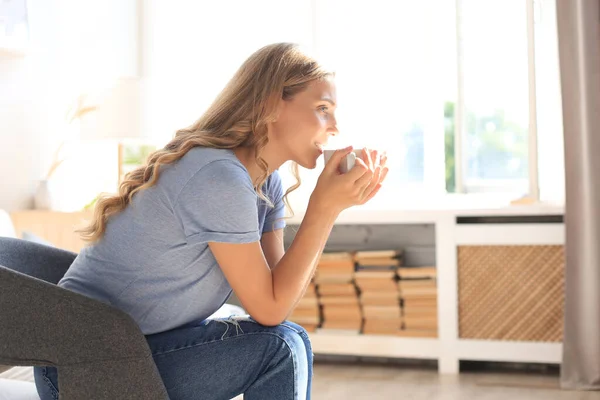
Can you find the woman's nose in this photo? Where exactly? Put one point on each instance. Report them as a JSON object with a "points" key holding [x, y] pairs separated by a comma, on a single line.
{"points": [[333, 129]]}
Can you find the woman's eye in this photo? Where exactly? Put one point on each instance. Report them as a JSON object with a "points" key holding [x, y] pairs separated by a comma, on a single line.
{"points": [[324, 108]]}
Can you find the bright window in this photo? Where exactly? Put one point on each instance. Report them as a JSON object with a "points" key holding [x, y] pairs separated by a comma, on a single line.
{"points": [[463, 94], [495, 88], [450, 91]]}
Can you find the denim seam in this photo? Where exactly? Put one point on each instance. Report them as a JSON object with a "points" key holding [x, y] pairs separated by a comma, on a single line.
{"points": [[241, 336], [53, 389]]}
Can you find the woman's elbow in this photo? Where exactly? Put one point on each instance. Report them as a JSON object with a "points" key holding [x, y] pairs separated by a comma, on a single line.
{"points": [[269, 318]]}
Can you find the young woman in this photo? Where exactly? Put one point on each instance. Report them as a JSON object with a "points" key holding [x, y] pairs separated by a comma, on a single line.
{"points": [[205, 216]]}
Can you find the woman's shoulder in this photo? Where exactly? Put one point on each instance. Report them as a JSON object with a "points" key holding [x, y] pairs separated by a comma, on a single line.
{"points": [[206, 161], [199, 157], [218, 163], [203, 166]]}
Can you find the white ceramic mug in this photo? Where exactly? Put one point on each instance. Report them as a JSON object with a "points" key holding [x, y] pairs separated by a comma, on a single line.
{"points": [[347, 162]]}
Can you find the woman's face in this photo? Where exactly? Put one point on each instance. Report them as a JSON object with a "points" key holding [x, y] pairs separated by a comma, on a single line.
{"points": [[305, 123]]}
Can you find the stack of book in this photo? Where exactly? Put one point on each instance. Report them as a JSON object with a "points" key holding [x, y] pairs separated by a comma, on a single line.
{"points": [[335, 268], [376, 279], [307, 312], [337, 294], [418, 291]]}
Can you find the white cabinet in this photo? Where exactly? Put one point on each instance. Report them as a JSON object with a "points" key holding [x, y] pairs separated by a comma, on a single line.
{"points": [[525, 233]]}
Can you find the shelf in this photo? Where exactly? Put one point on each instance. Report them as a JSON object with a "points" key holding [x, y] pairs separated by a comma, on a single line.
{"points": [[510, 234], [374, 216], [417, 348], [375, 346], [494, 350], [12, 52]]}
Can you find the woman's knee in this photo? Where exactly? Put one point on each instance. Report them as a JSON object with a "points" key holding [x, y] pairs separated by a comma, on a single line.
{"points": [[285, 354], [299, 329], [296, 349], [293, 342], [286, 341], [303, 335], [292, 334]]}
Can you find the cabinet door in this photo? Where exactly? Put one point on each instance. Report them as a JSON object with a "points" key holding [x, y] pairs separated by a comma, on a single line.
{"points": [[511, 292]]}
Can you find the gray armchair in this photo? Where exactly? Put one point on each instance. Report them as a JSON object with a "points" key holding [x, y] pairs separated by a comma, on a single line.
{"points": [[99, 350]]}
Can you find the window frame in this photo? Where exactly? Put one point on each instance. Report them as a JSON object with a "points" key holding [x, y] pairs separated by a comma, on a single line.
{"points": [[500, 185]]}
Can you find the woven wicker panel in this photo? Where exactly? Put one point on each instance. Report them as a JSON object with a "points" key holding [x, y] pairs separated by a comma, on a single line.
{"points": [[511, 292]]}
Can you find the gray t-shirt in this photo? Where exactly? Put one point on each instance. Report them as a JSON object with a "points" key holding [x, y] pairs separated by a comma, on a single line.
{"points": [[154, 261]]}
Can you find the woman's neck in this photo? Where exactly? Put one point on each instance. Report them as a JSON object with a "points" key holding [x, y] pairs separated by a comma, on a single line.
{"points": [[246, 155]]}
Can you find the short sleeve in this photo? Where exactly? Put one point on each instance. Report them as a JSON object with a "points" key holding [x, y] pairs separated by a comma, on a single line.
{"points": [[274, 218], [218, 204]]}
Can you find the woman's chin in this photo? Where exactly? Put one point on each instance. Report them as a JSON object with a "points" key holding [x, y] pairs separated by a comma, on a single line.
{"points": [[307, 165], [309, 162], [313, 163]]}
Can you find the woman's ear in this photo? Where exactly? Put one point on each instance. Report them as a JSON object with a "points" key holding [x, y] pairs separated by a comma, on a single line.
{"points": [[279, 109], [276, 118]]}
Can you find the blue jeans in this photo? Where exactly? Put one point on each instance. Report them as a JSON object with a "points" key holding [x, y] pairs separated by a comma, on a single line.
{"points": [[222, 358]]}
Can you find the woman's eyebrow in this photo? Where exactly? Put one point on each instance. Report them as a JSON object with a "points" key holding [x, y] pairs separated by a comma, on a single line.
{"points": [[327, 99]]}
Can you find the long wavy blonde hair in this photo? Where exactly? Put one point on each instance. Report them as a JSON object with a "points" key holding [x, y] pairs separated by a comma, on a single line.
{"points": [[238, 117]]}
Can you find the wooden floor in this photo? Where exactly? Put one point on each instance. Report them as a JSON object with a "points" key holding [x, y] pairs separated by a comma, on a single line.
{"points": [[369, 382]]}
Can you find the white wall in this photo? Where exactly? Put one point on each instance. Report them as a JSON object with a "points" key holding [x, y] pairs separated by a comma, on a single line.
{"points": [[71, 45], [192, 48], [27, 119]]}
